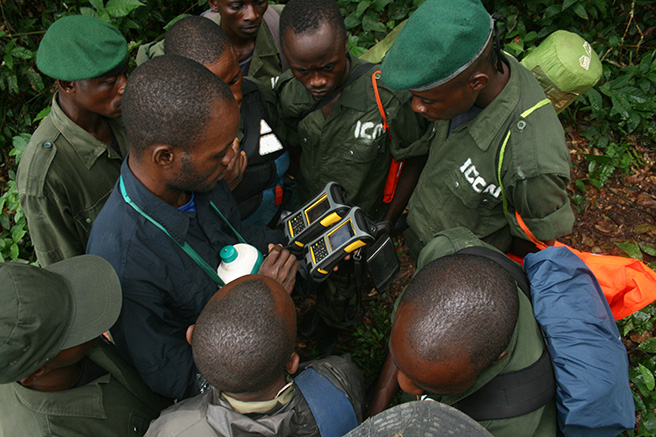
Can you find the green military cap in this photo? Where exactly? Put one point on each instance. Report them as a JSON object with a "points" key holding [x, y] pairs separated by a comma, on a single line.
{"points": [[79, 47], [47, 310], [439, 41]]}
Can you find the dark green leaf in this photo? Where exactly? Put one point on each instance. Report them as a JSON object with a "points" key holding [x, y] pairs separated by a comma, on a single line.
{"points": [[42, 114], [362, 6], [97, 4], [631, 248], [648, 345], [568, 3], [579, 10], [380, 4], [13, 251], [120, 8], [352, 20], [649, 250]]}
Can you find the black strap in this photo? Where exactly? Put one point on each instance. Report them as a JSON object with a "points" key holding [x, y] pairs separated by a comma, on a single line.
{"points": [[323, 102], [516, 393], [508, 265], [512, 394]]}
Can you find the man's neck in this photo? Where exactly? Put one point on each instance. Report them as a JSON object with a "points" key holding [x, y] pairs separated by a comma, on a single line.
{"points": [[264, 395], [91, 122], [159, 188], [496, 84]]}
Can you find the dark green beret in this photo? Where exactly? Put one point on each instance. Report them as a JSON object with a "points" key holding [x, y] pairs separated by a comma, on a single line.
{"points": [[79, 47], [439, 41]]}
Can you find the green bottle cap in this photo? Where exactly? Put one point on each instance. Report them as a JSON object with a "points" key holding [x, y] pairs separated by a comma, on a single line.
{"points": [[228, 254]]}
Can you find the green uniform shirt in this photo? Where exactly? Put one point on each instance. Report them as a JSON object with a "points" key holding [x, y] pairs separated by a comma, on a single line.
{"points": [[64, 178], [265, 64], [350, 146], [115, 404], [459, 187], [525, 348]]}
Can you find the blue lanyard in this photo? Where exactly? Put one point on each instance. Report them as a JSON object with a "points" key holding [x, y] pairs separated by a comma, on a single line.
{"points": [[186, 247]]}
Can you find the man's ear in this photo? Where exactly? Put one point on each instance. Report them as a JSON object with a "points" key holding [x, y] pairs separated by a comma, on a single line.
{"points": [[214, 5], [407, 385], [190, 333], [479, 81], [66, 86], [292, 364], [163, 154]]}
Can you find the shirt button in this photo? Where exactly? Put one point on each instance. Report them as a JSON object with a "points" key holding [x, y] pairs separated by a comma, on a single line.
{"points": [[456, 184], [485, 201], [305, 140], [47, 145], [351, 152], [521, 124], [88, 220], [377, 76]]}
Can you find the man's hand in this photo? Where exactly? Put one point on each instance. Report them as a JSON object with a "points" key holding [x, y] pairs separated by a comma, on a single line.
{"points": [[235, 169], [280, 265]]}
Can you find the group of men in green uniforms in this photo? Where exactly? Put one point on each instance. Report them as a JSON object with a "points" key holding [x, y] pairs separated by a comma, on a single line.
{"points": [[479, 140]]}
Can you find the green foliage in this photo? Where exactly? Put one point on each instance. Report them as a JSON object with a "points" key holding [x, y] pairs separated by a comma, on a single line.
{"points": [[368, 340]]}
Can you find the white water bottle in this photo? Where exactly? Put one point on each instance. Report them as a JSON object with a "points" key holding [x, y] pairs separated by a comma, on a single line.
{"points": [[237, 261]]}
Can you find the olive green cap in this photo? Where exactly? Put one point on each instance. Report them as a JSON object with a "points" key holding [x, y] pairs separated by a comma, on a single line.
{"points": [[47, 310], [79, 47], [439, 41]]}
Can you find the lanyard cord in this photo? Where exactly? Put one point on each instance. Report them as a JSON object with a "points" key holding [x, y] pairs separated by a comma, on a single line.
{"points": [[186, 247], [239, 237]]}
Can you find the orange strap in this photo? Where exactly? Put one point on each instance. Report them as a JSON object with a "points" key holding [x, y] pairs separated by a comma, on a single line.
{"points": [[394, 173], [539, 244]]}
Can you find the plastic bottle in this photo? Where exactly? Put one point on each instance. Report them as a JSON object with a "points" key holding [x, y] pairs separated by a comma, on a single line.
{"points": [[238, 260]]}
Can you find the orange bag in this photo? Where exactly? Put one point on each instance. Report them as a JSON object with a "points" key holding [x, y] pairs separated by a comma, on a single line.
{"points": [[628, 284]]}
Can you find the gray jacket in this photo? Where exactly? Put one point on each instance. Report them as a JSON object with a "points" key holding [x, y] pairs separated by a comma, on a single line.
{"points": [[210, 414]]}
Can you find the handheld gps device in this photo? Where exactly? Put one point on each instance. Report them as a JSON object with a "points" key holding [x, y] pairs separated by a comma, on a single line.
{"points": [[354, 231], [317, 215]]}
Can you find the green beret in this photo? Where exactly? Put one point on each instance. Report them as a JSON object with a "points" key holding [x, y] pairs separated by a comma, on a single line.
{"points": [[439, 41], [79, 47]]}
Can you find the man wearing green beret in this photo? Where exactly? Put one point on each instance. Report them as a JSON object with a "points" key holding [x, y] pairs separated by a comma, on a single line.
{"points": [[74, 158], [495, 147], [58, 376]]}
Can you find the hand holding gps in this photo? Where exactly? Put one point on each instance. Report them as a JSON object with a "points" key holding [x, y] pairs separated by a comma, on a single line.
{"points": [[313, 218], [351, 233]]}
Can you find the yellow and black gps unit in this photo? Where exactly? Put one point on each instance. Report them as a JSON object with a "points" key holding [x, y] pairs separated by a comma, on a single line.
{"points": [[317, 215], [354, 231]]}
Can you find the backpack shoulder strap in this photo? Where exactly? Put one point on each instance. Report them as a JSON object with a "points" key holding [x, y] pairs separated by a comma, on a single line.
{"points": [[331, 409], [512, 394], [508, 265]]}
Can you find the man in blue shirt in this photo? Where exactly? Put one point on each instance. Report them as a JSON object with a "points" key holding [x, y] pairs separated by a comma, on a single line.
{"points": [[171, 213]]}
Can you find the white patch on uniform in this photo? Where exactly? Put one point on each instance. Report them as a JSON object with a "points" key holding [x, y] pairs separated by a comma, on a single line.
{"points": [[477, 182], [367, 130], [269, 142]]}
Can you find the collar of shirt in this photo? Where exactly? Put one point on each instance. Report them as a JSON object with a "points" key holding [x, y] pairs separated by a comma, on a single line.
{"points": [[176, 222], [264, 47], [261, 407], [85, 401], [88, 148], [485, 127]]}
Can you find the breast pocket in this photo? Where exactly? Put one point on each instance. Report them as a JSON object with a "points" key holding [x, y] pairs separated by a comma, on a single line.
{"points": [[474, 196], [86, 216]]}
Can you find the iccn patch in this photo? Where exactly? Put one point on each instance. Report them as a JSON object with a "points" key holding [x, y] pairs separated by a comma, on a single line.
{"points": [[477, 182]]}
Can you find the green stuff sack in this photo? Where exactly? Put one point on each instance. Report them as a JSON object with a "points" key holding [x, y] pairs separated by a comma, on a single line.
{"points": [[565, 65]]}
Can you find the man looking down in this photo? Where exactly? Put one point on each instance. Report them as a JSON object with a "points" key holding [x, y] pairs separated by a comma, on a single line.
{"points": [[170, 215]]}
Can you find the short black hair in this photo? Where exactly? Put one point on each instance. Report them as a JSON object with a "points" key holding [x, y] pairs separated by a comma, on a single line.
{"points": [[241, 343], [168, 100], [197, 38], [461, 303], [306, 16]]}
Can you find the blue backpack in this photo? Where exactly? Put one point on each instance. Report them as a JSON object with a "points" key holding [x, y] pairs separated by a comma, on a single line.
{"points": [[589, 361]]}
